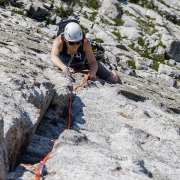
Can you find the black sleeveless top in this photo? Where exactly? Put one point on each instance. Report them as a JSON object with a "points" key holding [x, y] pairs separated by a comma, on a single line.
{"points": [[79, 57]]}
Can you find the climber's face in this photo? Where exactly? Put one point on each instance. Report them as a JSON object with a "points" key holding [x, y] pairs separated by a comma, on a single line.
{"points": [[73, 46]]}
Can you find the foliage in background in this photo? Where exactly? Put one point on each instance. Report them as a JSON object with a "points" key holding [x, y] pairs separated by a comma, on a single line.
{"points": [[85, 30], [134, 1], [93, 16], [146, 55], [77, 2], [128, 13], [118, 21], [161, 44], [147, 3], [141, 41], [132, 64], [64, 12], [117, 34], [90, 3], [93, 4], [17, 12], [118, 59], [155, 66], [20, 5], [48, 20], [146, 26], [85, 14], [98, 40], [162, 2], [158, 58], [3, 2], [150, 5], [104, 21]]}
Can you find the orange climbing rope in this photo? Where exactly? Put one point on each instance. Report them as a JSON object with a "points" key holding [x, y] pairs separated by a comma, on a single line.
{"points": [[70, 99], [42, 167]]}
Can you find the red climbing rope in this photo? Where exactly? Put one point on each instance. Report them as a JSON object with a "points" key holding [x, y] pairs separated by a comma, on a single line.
{"points": [[69, 111], [42, 168], [70, 99]]}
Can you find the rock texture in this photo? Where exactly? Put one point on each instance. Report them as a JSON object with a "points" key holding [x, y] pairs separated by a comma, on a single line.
{"points": [[123, 135], [128, 130], [3, 154], [27, 87]]}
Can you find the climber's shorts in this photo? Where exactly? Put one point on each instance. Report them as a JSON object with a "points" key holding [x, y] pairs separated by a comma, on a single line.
{"points": [[80, 62]]}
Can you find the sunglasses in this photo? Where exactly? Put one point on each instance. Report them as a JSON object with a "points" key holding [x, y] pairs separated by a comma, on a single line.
{"points": [[73, 43]]}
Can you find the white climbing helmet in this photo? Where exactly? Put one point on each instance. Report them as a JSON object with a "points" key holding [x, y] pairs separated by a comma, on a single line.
{"points": [[73, 32]]}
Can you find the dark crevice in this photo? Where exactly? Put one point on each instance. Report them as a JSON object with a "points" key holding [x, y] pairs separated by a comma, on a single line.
{"points": [[50, 128], [132, 96], [36, 50], [173, 111]]}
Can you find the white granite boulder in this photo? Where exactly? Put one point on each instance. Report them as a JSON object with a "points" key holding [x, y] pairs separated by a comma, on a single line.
{"points": [[168, 70], [110, 9], [143, 63]]}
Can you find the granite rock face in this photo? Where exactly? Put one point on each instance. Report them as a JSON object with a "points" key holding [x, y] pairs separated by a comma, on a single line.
{"points": [[125, 131], [173, 51], [123, 135], [27, 88], [128, 130], [4, 167]]}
